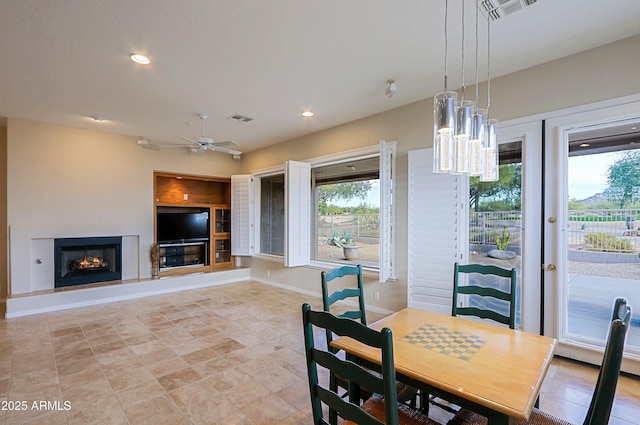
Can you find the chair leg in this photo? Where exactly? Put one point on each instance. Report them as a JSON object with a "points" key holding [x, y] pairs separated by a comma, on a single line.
{"points": [[333, 386], [424, 402]]}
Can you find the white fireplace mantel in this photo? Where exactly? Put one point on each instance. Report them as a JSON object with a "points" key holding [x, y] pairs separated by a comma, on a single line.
{"points": [[32, 257]]}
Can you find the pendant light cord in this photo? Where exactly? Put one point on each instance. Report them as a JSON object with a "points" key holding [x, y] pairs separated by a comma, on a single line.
{"points": [[488, 65], [477, 95], [462, 90], [446, 42]]}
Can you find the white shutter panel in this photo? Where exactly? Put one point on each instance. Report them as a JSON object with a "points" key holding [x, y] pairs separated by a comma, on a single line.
{"points": [[436, 241], [297, 214], [387, 205], [241, 215]]}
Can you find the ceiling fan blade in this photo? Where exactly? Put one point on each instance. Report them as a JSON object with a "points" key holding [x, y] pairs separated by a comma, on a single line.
{"points": [[225, 143], [224, 150], [146, 144], [191, 140]]}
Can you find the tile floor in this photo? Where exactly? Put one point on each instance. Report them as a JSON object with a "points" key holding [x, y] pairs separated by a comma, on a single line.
{"points": [[229, 354]]}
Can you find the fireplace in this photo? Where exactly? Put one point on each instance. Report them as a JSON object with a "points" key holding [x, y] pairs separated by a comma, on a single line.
{"points": [[79, 261]]}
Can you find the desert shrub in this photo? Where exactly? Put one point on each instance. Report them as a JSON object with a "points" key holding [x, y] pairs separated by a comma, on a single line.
{"points": [[601, 241], [502, 242]]}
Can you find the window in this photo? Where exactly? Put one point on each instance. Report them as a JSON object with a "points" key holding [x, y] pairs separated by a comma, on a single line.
{"points": [[272, 215], [284, 202], [347, 211]]}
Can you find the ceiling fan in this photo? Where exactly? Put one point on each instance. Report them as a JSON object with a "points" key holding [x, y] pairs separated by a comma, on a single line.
{"points": [[198, 144], [203, 143]]}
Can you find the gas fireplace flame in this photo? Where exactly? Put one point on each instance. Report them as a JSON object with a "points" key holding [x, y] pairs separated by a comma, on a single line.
{"points": [[88, 263]]}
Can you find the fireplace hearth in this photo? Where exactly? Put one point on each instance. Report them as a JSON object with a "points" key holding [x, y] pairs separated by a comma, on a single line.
{"points": [[80, 261]]}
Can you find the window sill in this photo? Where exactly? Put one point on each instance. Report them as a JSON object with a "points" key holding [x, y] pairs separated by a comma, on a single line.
{"points": [[366, 271], [268, 257]]}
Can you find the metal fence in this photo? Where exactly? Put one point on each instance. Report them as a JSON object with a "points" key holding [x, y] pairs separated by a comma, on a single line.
{"points": [[614, 230], [610, 230], [486, 227], [360, 225]]}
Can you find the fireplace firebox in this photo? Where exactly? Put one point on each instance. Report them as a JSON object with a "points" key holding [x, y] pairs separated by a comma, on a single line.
{"points": [[79, 261]]}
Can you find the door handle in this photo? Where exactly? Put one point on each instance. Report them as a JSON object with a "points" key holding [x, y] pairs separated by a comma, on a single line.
{"points": [[550, 267], [551, 220]]}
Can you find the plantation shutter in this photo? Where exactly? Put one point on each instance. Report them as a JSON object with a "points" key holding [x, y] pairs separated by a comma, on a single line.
{"points": [[297, 215], [241, 215], [387, 216], [437, 232]]}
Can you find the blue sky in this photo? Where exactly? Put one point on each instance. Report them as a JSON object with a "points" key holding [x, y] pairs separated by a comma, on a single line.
{"points": [[588, 174]]}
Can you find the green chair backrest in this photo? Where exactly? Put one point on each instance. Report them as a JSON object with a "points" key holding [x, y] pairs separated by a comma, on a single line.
{"points": [[483, 291], [604, 393], [357, 291], [356, 375]]}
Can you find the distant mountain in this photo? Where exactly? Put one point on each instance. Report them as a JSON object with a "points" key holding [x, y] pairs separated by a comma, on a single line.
{"points": [[594, 199]]}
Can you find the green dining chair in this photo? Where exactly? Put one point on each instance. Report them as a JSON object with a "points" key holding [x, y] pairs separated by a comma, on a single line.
{"points": [[483, 300], [351, 283], [604, 393], [380, 409], [355, 291]]}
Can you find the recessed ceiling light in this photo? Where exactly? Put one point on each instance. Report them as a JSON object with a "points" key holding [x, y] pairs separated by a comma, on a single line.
{"points": [[634, 127], [141, 59], [98, 119], [584, 145], [307, 114]]}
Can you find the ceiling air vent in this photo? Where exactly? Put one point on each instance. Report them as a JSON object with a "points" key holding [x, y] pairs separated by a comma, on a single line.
{"points": [[497, 9], [240, 118]]}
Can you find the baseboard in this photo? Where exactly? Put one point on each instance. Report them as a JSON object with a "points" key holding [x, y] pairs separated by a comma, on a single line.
{"points": [[28, 304]]}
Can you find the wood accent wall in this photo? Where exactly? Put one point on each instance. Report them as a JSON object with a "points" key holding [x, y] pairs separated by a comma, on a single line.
{"points": [[170, 189]]}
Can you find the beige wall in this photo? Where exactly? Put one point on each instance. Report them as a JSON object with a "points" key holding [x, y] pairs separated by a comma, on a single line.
{"points": [[60, 176], [603, 73], [4, 273]]}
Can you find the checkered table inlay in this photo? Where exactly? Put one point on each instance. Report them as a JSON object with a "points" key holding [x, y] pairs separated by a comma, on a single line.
{"points": [[442, 340]]}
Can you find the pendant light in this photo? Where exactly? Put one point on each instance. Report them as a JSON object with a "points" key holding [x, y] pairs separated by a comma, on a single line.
{"points": [[479, 119], [464, 137], [490, 154], [464, 124], [444, 117]]}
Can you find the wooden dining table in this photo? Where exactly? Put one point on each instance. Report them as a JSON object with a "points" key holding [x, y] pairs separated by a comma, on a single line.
{"points": [[492, 370]]}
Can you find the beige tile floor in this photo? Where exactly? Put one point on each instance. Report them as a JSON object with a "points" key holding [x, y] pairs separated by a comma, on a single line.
{"points": [[230, 354]]}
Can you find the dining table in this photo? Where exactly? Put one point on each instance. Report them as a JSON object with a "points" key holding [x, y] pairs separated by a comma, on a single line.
{"points": [[489, 369]]}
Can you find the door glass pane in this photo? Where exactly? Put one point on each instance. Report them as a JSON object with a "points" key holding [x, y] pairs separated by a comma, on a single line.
{"points": [[603, 239], [495, 219]]}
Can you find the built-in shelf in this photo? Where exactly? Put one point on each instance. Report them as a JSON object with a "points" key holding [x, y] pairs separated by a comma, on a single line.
{"points": [[188, 193], [183, 255]]}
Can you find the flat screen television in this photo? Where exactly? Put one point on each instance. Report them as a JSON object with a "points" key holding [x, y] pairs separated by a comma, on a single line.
{"points": [[181, 227]]}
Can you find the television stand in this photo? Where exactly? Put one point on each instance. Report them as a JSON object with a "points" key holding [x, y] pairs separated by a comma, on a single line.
{"points": [[183, 255]]}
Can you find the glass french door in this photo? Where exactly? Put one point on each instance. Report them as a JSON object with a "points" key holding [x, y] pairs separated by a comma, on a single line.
{"points": [[504, 216], [591, 229]]}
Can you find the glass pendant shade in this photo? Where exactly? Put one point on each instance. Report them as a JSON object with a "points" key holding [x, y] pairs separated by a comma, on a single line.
{"points": [[464, 128], [490, 153], [475, 144], [444, 126]]}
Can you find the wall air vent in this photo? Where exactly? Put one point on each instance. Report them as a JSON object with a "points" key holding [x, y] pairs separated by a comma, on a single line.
{"points": [[497, 9], [240, 118]]}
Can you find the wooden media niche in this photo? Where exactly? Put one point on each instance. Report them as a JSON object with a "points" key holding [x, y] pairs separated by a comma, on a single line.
{"points": [[181, 203]]}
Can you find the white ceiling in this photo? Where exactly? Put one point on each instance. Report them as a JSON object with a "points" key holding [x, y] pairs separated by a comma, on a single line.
{"points": [[62, 61]]}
